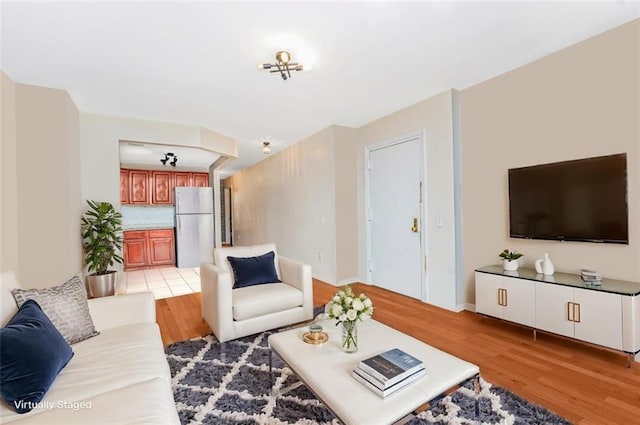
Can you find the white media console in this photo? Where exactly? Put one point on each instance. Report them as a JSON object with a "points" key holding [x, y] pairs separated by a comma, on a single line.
{"points": [[563, 304]]}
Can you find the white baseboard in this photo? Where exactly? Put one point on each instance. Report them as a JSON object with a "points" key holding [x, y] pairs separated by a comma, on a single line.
{"points": [[348, 281], [470, 307], [325, 280]]}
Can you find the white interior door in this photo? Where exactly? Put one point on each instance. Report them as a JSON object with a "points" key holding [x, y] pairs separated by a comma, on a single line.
{"points": [[394, 203]]}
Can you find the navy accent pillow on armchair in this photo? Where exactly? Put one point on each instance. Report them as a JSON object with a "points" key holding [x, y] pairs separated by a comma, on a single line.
{"points": [[33, 352], [249, 271]]}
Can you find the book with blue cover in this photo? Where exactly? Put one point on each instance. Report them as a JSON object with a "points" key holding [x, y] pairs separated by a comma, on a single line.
{"points": [[391, 366]]}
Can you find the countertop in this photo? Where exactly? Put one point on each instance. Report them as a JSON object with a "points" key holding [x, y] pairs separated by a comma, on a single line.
{"points": [[149, 226]]}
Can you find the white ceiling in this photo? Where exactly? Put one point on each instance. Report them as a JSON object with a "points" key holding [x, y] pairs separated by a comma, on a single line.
{"points": [[195, 63], [148, 155]]}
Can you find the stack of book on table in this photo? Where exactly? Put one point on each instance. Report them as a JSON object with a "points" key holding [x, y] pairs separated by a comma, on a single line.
{"points": [[388, 372], [591, 277]]}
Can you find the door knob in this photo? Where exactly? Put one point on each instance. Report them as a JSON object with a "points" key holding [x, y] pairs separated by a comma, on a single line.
{"points": [[415, 228]]}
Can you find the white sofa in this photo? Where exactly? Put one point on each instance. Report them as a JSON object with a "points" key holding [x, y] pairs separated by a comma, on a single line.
{"points": [[234, 313], [118, 377]]}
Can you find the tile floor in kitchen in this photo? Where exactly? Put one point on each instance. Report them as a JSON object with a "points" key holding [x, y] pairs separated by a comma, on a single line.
{"points": [[164, 282]]}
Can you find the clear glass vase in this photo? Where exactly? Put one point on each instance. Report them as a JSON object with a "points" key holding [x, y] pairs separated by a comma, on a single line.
{"points": [[350, 336]]}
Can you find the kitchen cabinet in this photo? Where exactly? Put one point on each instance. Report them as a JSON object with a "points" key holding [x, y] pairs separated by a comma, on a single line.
{"points": [[200, 179], [139, 187], [505, 298], [162, 184], [135, 249], [149, 248], [182, 179], [124, 187], [162, 249], [142, 187]]}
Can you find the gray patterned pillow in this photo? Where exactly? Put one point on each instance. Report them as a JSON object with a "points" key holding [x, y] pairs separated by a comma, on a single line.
{"points": [[66, 306]]}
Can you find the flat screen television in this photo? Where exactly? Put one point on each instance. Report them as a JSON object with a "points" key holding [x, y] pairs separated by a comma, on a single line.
{"points": [[581, 200]]}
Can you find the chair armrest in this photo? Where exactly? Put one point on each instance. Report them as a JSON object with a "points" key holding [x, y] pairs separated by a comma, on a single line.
{"points": [[298, 275], [121, 310], [217, 300]]}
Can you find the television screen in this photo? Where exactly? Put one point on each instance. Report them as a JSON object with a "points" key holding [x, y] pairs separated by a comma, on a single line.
{"points": [[581, 200]]}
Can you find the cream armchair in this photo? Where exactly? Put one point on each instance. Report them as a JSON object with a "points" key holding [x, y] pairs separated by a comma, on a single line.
{"points": [[234, 313]]}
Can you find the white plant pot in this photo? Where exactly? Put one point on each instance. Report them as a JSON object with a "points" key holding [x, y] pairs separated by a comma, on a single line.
{"points": [[510, 265]]}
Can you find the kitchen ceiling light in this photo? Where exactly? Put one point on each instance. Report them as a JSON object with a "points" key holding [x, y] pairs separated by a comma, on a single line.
{"points": [[283, 65], [167, 156], [266, 148]]}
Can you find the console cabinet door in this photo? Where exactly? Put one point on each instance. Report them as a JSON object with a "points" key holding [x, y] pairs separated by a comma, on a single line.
{"points": [[487, 286], [600, 317], [162, 188], [138, 187], [552, 304], [519, 300]]}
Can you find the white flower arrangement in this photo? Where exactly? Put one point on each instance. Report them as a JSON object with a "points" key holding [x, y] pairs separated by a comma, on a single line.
{"points": [[346, 307]]}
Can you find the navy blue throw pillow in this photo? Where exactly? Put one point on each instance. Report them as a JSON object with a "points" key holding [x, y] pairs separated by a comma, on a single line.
{"points": [[33, 352], [249, 271]]}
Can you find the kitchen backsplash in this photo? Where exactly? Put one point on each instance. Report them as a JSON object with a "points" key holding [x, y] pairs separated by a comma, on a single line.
{"points": [[146, 217]]}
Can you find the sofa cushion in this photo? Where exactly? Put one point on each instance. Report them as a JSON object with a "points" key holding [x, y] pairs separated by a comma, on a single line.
{"points": [[147, 402], [117, 358], [65, 305], [33, 352], [220, 255], [249, 271], [254, 301]]}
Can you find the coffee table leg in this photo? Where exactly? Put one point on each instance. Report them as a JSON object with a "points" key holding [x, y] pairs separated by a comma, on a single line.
{"points": [[476, 387], [270, 367]]}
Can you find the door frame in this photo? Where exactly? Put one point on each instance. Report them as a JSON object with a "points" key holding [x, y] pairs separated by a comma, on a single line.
{"points": [[421, 136]]}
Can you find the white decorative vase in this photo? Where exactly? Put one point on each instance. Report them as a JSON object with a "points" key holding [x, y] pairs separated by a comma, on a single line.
{"points": [[510, 265], [545, 266]]}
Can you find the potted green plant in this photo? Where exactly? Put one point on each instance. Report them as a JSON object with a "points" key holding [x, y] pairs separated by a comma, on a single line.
{"points": [[510, 259], [101, 228]]}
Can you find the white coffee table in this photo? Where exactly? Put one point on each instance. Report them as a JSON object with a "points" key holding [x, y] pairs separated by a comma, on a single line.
{"points": [[326, 370]]}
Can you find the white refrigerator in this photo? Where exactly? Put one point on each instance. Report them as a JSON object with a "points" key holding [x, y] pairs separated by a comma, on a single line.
{"points": [[194, 225]]}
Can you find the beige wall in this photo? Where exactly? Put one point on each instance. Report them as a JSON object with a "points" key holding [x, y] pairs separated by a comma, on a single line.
{"points": [[42, 208], [346, 204], [9, 177], [289, 199], [580, 102]]}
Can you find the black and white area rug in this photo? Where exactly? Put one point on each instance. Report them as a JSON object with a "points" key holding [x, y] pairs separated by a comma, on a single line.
{"points": [[228, 384]]}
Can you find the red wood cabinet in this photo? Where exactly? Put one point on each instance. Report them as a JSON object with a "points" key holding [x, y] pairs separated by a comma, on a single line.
{"points": [[142, 187], [200, 179], [181, 179], [124, 187], [138, 187], [148, 248], [162, 249], [162, 184], [135, 249]]}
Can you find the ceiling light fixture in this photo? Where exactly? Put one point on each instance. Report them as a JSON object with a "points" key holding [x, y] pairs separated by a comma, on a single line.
{"points": [[167, 156], [283, 65], [266, 148]]}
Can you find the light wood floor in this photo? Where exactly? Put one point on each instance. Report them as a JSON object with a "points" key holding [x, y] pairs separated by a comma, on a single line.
{"points": [[583, 383]]}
